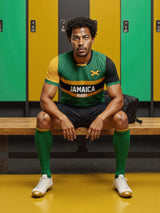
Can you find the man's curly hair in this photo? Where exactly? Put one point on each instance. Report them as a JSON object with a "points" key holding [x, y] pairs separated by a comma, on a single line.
{"points": [[79, 22]]}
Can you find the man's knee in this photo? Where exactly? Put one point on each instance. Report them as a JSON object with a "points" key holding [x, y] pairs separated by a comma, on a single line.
{"points": [[43, 120], [120, 120]]}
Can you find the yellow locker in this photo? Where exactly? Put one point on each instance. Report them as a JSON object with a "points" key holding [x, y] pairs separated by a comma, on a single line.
{"points": [[43, 43], [107, 41], [156, 53]]}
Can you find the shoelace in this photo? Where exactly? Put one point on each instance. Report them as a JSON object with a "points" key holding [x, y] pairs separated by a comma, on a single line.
{"points": [[42, 181], [123, 183]]}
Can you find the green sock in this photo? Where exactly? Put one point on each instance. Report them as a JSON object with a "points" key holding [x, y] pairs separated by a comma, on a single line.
{"points": [[43, 141], [121, 142]]}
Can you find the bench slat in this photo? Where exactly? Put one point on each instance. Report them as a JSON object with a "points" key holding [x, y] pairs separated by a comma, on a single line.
{"points": [[26, 126]]}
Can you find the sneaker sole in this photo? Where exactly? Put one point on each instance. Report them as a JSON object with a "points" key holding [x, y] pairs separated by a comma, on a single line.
{"points": [[126, 194], [37, 194]]}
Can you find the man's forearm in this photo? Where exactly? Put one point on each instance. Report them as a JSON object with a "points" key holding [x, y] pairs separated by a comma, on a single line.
{"points": [[113, 107], [50, 107]]}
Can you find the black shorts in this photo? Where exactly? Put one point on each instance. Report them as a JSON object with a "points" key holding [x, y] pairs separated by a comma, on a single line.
{"points": [[81, 116]]}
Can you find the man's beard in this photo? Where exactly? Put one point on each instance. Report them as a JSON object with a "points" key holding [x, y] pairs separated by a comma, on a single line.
{"points": [[82, 54]]}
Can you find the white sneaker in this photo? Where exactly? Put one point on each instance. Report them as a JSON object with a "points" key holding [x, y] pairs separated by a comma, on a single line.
{"points": [[44, 184], [122, 187]]}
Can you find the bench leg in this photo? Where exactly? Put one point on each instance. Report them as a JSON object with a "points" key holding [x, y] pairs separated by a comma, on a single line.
{"points": [[3, 154], [82, 143]]}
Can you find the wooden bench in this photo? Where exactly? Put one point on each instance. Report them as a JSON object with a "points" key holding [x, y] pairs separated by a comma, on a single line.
{"points": [[26, 126]]}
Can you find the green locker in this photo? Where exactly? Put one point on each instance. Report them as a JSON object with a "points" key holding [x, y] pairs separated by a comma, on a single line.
{"points": [[13, 50], [136, 48]]}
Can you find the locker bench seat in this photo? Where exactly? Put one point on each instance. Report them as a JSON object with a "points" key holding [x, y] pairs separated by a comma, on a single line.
{"points": [[26, 126]]}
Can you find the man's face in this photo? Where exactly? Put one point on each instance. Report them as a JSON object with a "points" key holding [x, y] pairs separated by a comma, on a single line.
{"points": [[81, 41]]}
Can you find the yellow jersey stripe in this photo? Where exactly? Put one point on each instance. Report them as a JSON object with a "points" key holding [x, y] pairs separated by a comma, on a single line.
{"points": [[82, 65], [82, 82]]}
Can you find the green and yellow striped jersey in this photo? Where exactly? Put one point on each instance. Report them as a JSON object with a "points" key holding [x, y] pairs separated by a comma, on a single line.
{"points": [[82, 85]]}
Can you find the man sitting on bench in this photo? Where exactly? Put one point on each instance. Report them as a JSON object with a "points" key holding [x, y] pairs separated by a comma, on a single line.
{"points": [[82, 74]]}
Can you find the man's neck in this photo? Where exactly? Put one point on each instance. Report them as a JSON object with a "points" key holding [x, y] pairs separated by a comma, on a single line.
{"points": [[82, 60]]}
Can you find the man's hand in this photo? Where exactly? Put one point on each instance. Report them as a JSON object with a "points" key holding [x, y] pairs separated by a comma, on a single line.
{"points": [[95, 129], [68, 129]]}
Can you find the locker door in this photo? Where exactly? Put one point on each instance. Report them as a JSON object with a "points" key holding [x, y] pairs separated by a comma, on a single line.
{"points": [[136, 48], [43, 43], [156, 61], [13, 50], [68, 10], [107, 41]]}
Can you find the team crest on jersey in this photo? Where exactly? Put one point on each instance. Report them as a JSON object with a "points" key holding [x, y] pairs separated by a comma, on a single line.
{"points": [[94, 73]]}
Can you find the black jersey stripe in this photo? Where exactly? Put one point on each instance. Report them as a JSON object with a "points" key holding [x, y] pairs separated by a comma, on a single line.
{"points": [[82, 95], [81, 89]]}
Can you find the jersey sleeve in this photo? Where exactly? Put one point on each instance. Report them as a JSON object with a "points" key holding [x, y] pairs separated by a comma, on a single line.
{"points": [[111, 73], [52, 76]]}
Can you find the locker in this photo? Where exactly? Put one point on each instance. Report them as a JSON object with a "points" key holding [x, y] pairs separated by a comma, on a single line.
{"points": [[107, 41], [136, 48], [156, 48], [43, 43], [65, 13], [13, 50]]}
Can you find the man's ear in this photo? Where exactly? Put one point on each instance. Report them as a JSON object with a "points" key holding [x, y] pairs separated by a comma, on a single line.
{"points": [[93, 40], [69, 39]]}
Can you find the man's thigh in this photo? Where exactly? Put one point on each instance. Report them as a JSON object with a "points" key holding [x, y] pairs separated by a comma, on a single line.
{"points": [[71, 112], [82, 116]]}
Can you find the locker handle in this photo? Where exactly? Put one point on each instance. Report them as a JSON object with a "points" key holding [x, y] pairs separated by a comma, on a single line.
{"points": [[125, 26], [33, 26], [63, 22], [1, 25], [158, 26]]}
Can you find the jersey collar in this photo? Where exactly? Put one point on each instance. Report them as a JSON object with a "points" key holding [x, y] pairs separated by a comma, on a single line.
{"points": [[83, 65]]}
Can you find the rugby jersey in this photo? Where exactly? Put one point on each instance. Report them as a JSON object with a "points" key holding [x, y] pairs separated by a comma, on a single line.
{"points": [[82, 85]]}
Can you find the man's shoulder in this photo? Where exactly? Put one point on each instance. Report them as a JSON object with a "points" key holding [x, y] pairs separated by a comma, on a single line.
{"points": [[65, 54], [104, 59], [61, 58], [96, 53], [102, 55]]}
